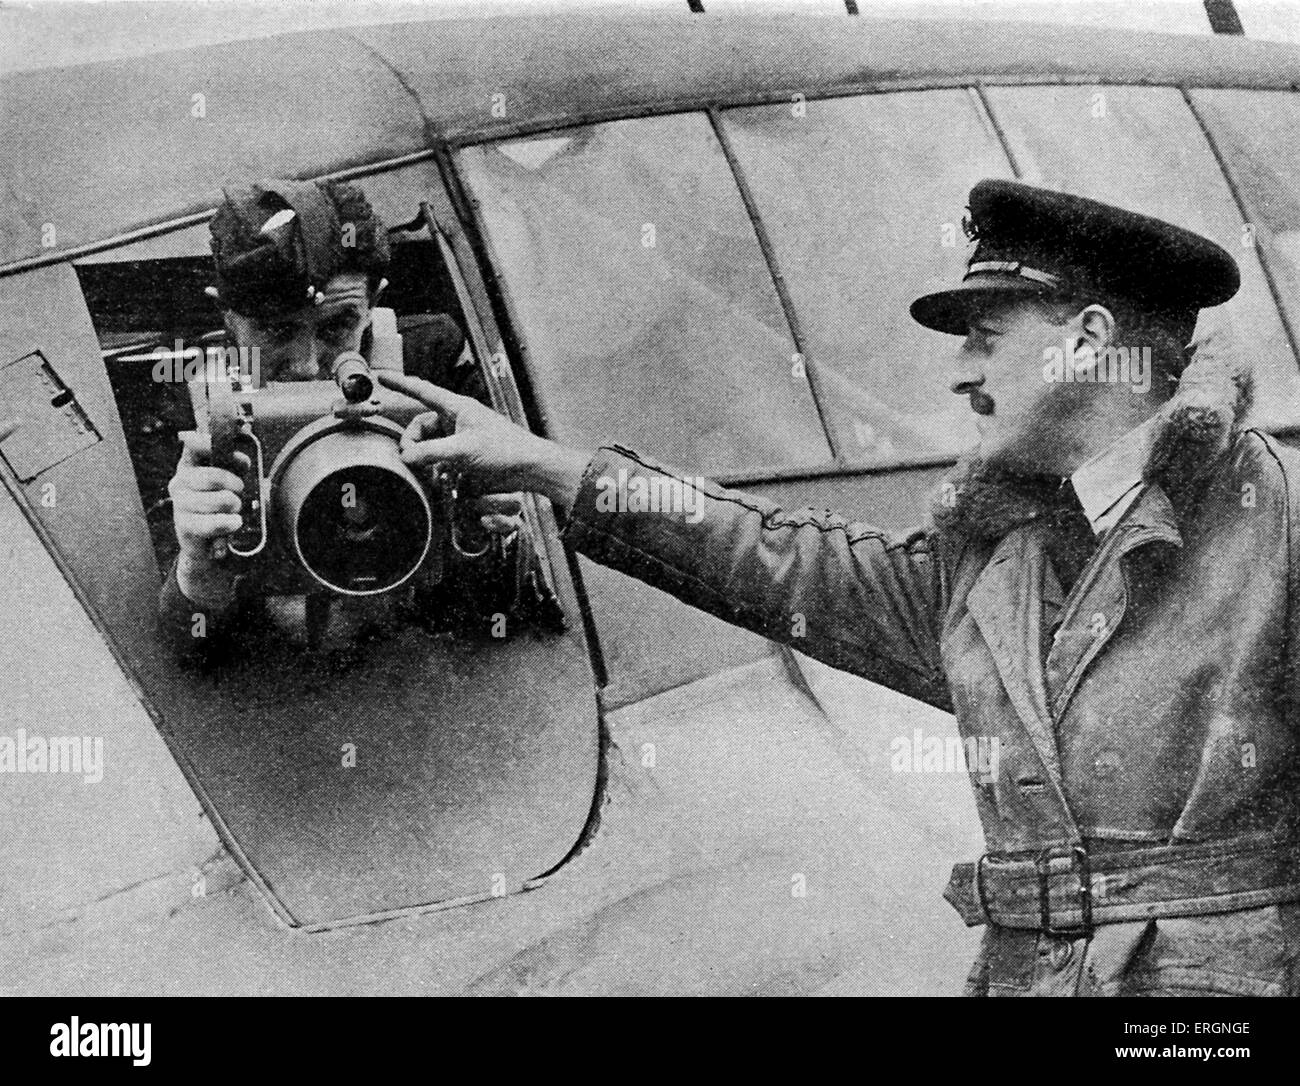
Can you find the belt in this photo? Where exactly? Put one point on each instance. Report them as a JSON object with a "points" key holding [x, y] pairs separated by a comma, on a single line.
{"points": [[1066, 890]]}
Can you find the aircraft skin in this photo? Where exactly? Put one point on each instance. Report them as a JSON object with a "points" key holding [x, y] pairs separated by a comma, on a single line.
{"points": [[749, 835]]}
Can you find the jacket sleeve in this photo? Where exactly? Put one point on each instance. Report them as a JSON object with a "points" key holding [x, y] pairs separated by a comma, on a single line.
{"points": [[1292, 659], [198, 635], [848, 594]]}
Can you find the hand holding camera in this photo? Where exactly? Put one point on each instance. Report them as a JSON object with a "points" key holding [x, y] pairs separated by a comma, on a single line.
{"points": [[205, 510]]}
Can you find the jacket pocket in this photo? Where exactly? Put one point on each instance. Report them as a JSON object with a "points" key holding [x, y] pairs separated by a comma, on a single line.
{"points": [[1249, 953]]}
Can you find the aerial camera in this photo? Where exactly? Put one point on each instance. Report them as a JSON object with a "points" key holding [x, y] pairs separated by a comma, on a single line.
{"points": [[338, 510]]}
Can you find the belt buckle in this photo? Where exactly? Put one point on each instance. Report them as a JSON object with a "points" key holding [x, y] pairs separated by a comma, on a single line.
{"points": [[1079, 864]]}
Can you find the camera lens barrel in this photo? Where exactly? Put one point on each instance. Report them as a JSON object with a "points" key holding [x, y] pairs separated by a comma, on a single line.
{"points": [[349, 510]]}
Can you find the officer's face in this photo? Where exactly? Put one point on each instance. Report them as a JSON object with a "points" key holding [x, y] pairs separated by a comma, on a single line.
{"points": [[1022, 418], [302, 346]]}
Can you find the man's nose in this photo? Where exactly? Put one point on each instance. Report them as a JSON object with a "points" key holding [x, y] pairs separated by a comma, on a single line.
{"points": [[968, 376], [311, 353]]}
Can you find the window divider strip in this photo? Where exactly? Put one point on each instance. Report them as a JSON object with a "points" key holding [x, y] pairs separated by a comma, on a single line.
{"points": [[778, 280]]}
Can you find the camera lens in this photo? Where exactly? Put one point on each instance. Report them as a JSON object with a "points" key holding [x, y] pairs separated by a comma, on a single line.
{"points": [[347, 507], [362, 529]]}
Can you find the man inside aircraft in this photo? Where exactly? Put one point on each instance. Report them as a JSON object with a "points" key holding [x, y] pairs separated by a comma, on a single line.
{"points": [[299, 267], [1109, 589]]}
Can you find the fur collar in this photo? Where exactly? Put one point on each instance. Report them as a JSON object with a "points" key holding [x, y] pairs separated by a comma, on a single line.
{"points": [[979, 504]]}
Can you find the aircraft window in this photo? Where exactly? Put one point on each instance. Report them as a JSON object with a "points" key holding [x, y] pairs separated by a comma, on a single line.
{"points": [[141, 305], [863, 218], [1255, 132], [648, 309], [1141, 148]]}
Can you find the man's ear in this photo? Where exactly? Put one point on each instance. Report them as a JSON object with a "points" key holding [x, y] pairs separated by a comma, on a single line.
{"points": [[1097, 326], [374, 294], [1093, 330]]}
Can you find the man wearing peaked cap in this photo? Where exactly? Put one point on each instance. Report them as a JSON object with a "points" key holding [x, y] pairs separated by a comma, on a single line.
{"points": [[1107, 595], [1035, 241]]}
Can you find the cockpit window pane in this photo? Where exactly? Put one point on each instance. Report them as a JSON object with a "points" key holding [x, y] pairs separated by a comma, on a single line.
{"points": [[649, 312]]}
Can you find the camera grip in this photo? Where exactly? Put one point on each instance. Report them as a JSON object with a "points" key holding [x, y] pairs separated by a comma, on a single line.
{"points": [[230, 429]]}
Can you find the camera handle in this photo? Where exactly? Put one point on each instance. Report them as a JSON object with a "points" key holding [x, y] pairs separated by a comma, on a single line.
{"points": [[449, 482], [230, 429]]}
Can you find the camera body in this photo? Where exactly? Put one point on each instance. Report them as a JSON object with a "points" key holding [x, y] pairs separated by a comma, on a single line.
{"points": [[328, 504]]}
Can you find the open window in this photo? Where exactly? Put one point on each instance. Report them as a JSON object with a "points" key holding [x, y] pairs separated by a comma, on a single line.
{"points": [[148, 306], [421, 770]]}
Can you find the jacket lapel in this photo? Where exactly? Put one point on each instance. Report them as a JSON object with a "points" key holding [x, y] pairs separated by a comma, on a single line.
{"points": [[1100, 599]]}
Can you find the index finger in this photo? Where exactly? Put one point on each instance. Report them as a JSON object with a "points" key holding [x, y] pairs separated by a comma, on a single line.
{"points": [[426, 425], [429, 394]]}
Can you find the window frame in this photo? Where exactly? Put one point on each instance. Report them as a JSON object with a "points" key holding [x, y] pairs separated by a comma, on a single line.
{"points": [[469, 207], [434, 207], [138, 657], [469, 211]]}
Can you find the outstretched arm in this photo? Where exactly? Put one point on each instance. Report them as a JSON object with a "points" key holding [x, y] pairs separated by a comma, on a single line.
{"points": [[846, 593]]}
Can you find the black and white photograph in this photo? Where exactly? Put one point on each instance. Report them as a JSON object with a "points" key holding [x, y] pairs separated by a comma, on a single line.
{"points": [[652, 499]]}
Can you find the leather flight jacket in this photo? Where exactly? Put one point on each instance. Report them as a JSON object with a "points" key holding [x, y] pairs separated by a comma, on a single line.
{"points": [[1149, 759]]}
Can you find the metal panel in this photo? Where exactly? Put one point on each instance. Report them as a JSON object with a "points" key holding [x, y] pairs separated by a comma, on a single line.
{"points": [[552, 69], [78, 142], [54, 424], [476, 757], [88, 501], [72, 839], [306, 104]]}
